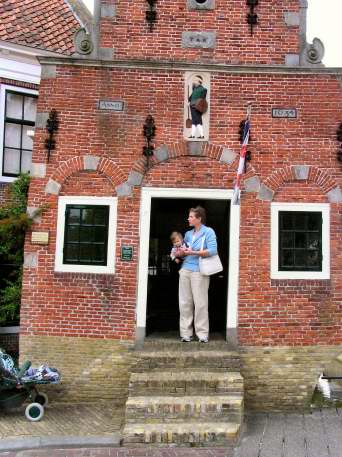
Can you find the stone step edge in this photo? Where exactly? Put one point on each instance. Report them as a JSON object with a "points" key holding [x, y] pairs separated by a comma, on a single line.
{"points": [[143, 400], [184, 354], [228, 428], [186, 376]]}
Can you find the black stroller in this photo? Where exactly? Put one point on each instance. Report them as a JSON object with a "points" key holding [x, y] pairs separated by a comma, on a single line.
{"points": [[19, 384]]}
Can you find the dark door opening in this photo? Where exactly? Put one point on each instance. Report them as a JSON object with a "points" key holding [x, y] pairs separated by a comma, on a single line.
{"points": [[168, 215]]}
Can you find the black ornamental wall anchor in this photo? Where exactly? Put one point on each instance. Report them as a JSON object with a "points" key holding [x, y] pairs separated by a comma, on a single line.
{"points": [[51, 127], [252, 17], [151, 14], [149, 132]]}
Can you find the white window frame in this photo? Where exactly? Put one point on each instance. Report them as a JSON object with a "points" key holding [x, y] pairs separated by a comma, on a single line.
{"points": [[111, 246], [324, 209], [3, 89]]}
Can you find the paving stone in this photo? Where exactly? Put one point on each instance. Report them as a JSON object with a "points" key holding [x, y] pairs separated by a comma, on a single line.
{"points": [[333, 430], [251, 441], [63, 420], [294, 436], [316, 440], [272, 440]]}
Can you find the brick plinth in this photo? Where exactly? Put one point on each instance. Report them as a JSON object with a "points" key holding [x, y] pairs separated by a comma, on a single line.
{"points": [[283, 378], [92, 369]]}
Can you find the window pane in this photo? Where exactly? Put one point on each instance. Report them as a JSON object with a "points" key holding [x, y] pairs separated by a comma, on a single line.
{"points": [[287, 240], [12, 161], [300, 258], [313, 240], [305, 254], [72, 233], [27, 141], [300, 239], [14, 105], [30, 108], [286, 220], [300, 221], [99, 255], [26, 159], [101, 216], [100, 234], [287, 258], [314, 221], [71, 253], [74, 216], [86, 234], [12, 135], [86, 252], [87, 215], [90, 239], [313, 259]]}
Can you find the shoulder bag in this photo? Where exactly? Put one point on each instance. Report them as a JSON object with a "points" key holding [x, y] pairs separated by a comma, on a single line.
{"points": [[209, 265]]}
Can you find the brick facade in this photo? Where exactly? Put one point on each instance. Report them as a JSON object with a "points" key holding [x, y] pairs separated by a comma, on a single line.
{"points": [[271, 312], [127, 32], [277, 145]]}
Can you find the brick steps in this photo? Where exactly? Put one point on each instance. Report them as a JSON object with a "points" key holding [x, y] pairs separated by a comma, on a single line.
{"points": [[188, 408], [185, 383], [217, 360], [184, 394], [205, 433]]}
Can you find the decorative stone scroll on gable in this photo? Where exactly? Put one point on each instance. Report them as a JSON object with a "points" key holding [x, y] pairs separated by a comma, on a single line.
{"points": [[313, 53], [308, 173]]}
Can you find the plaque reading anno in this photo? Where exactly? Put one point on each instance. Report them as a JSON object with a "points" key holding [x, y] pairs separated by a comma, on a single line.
{"points": [[110, 105], [127, 253], [290, 113], [40, 238]]}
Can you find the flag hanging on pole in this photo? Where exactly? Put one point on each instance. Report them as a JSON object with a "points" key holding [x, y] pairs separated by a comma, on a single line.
{"points": [[242, 161]]}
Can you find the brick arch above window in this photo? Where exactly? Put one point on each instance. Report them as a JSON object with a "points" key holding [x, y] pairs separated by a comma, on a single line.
{"points": [[85, 163], [163, 153], [309, 173]]}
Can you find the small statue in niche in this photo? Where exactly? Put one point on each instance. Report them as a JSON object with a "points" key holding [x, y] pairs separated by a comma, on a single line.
{"points": [[198, 106]]}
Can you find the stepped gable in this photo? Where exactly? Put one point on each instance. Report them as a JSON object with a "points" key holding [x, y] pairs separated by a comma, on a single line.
{"points": [[43, 24], [185, 394]]}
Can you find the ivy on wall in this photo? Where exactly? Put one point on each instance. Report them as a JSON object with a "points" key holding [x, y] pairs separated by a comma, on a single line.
{"points": [[14, 222]]}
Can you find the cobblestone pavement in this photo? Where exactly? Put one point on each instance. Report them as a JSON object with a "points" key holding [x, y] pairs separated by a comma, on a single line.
{"points": [[318, 434], [63, 420]]}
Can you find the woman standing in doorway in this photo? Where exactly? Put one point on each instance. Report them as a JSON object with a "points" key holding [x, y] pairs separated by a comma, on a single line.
{"points": [[193, 286]]}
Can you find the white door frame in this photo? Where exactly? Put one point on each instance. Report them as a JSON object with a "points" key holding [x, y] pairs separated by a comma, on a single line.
{"points": [[147, 193]]}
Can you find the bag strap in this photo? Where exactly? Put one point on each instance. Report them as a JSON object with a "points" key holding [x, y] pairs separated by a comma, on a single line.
{"points": [[203, 240]]}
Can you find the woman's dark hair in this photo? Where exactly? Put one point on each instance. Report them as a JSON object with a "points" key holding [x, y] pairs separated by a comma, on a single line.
{"points": [[199, 212]]}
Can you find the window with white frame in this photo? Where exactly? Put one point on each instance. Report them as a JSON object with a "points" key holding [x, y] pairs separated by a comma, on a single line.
{"points": [[17, 117], [300, 240], [86, 228]]}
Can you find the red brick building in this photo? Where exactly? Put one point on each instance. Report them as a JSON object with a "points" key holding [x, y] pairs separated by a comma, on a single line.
{"points": [[99, 278], [28, 29]]}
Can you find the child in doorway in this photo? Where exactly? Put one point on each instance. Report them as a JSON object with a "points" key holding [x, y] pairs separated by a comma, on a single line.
{"points": [[178, 244]]}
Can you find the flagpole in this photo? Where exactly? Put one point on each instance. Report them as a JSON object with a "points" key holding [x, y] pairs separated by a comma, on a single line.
{"points": [[242, 160]]}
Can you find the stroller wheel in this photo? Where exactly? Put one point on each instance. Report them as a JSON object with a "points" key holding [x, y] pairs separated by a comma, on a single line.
{"points": [[42, 399], [34, 412]]}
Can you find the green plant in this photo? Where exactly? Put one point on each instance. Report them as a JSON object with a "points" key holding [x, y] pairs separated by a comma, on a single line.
{"points": [[14, 222]]}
